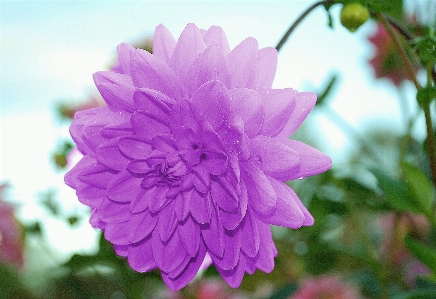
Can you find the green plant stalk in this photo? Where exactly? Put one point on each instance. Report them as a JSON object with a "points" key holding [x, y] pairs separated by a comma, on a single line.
{"points": [[409, 68], [429, 125], [299, 20]]}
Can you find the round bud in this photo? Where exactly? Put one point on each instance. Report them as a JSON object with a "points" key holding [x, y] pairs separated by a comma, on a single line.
{"points": [[353, 15]]}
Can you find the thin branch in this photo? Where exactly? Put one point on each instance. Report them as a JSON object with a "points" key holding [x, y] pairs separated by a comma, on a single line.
{"points": [[298, 21]]}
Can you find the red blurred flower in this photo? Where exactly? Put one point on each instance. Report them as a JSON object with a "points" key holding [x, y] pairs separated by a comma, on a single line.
{"points": [[386, 61], [11, 234], [325, 287]]}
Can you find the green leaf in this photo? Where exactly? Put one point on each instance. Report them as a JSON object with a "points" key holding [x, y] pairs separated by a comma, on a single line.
{"points": [[397, 193], [426, 95], [426, 47], [327, 89], [421, 189], [424, 253], [329, 15], [393, 8]]}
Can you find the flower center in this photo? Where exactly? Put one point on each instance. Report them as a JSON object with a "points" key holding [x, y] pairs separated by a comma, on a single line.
{"points": [[167, 176], [162, 175]]}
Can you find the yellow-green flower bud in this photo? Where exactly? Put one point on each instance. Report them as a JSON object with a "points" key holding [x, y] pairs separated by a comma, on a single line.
{"points": [[353, 15]]}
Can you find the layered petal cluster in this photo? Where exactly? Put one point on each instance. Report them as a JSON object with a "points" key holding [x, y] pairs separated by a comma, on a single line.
{"points": [[189, 158]]}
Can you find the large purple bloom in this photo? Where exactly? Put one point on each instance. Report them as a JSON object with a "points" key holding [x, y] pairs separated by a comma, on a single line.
{"points": [[190, 156]]}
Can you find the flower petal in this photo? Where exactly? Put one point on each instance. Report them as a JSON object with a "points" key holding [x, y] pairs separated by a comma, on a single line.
{"points": [[113, 212], [247, 103], [188, 47], [278, 105], [232, 245], [242, 61], [287, 212], [141, 225], [124, 57], [266, 67], [167, 221], [189, 233], [116, 89], [276, 158], [168, 256], [124, 187], [160, 199], [312, 161], [76, 128], [211, 103], [140, 256], [214, 162], [182, 116], [151, 72], [261, 195], [264, 260], [116, 233], [152, 101], [213, 235], [97, 175], [210, 65], [147, 125], [304, 103], [188, 273], [182, 206], [216, 36], [222, 196], [163, 43], [200, 207], [235, 275], [110, 155], [250, 239], [135, 147], [142, 201]]}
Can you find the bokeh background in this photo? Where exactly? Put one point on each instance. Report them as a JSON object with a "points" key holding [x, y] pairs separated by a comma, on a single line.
{"points": [[50, 49]]}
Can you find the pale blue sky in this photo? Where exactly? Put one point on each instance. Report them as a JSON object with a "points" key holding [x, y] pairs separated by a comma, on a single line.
{"points": [[50, 49]]}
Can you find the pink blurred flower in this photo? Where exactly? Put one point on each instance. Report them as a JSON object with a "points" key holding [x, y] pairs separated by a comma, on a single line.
{"points": [[386, 61], [325, 287], [11, 234]]}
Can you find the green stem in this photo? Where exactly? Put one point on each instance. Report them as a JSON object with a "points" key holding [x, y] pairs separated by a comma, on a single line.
{"points": [[299, 20], [410, 71], [429, 125], [400, 48]]}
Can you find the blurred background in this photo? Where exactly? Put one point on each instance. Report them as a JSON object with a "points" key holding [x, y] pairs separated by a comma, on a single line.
{"points": [[48, 53]]}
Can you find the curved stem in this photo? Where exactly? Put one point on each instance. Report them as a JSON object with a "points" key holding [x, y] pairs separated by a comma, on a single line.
{"points": [[298, 21], [429, 125]]}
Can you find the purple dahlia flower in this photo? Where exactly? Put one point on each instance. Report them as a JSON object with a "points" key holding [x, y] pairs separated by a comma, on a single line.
{"points": [[190, 156]]}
